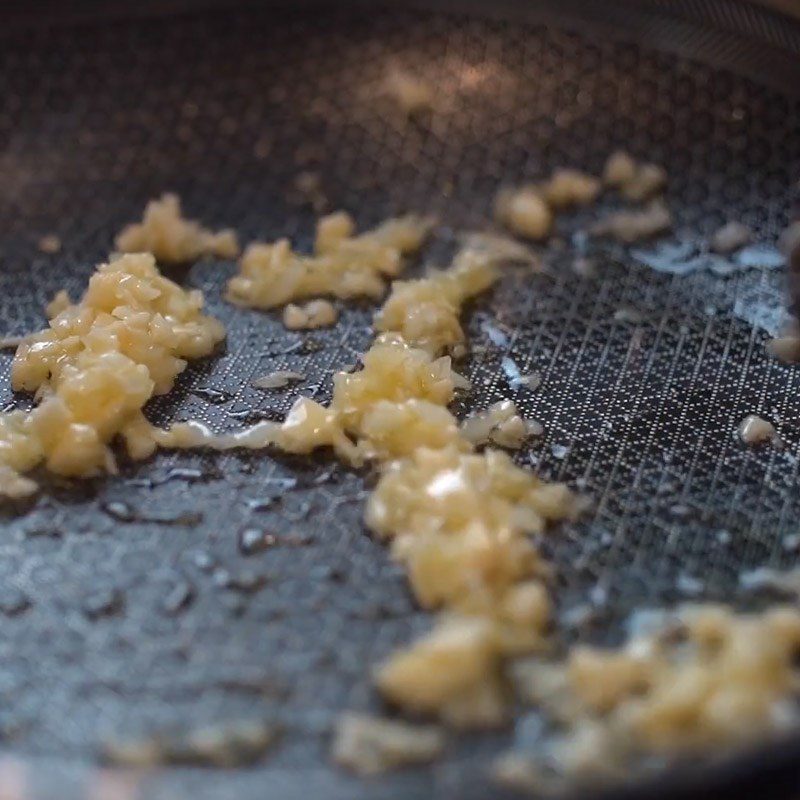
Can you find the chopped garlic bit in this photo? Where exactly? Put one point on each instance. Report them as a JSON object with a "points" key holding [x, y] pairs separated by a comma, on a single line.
{"points": [[172, 239], [426, 311], [50, 244], [756, 430], [15, 486], [412, 95], [637, 181], [731, 236], [620, 169], [343, 265], [277, 379], [499, 248], [458, 520], [500, 424], [707, 677], [394, 371], [632, 226], [453, 672], [59, 303], [524, 212], [314, 314], [530, 380], [97, 365], [396, 430], [570, 187], [785, 348], [11, 342], [648, 181], [370, 745]]}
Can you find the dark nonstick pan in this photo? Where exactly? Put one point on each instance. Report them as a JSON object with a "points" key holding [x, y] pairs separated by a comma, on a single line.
{"points": [[140, 604]]}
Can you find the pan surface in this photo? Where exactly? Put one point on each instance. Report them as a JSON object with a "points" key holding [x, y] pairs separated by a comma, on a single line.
{"points": [[130, 605]]}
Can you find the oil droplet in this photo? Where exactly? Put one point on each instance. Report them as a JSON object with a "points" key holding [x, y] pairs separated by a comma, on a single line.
{"points": [[247, 581], [260, 503], [221, 578], [183, 473], [214, 396], [724, 537], [203, 561], [119, 511]]}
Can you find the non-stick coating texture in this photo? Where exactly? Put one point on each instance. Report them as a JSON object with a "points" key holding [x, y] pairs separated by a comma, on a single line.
{"points": [[115, 627]]}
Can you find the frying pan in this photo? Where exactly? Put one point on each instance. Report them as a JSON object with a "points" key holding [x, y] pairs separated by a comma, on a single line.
{"points": [[133, 605]]}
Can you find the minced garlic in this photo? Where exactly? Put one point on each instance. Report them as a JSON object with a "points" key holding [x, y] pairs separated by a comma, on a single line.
{"points": [[786, 347], [500, 424], [412, 95], [632, 226], [172, 239], [706, 677], [50, 244], [454, 672], [458, 520], [731, 236], [425, 312], [97, 364], [370, 745], [394, 373], [277, 379], [343, 265], [636, 181], [59, 303], [648, 180], [756, 430], [397, 430], [314, 314], [570, 187], [499, 248], [524, 212], [620, 169]]}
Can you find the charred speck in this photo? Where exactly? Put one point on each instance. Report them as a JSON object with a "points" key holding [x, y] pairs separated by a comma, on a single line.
{"points": [[229, 744]]}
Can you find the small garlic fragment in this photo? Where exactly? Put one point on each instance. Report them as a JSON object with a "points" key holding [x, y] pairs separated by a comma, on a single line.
{"points": [[524, 212], [756, 430], [620, 169], [731, 236], [315, 314], [371, 745]]}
